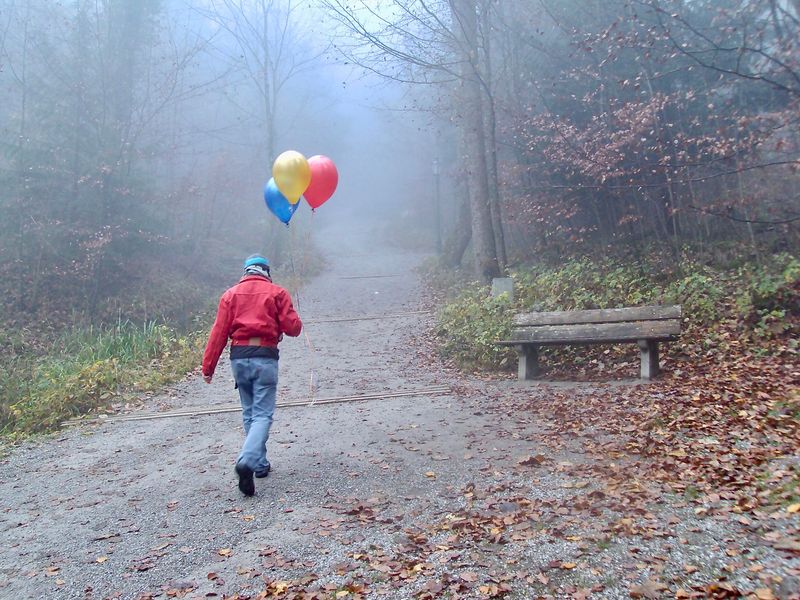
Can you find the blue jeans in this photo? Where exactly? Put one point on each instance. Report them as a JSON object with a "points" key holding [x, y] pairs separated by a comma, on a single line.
{"points": [[257, 379]]}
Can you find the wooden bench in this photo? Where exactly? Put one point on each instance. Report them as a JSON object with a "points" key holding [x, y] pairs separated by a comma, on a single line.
{"points": [[644, 325]]}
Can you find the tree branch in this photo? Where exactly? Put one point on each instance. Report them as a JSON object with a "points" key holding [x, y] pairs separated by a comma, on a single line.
{"points": [[731, 217]]}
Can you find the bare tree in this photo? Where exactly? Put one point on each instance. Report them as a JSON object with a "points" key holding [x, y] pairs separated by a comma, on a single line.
{"points": [[263, 38], [755, 39], [438, 42], [266, 35]]}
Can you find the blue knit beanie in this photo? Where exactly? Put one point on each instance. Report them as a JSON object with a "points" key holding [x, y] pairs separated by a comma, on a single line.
{"points": [[256, 259]]}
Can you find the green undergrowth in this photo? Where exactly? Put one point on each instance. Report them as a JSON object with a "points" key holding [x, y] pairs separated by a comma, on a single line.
{"points": [[51, 373], [88, 367], [762, 300]]}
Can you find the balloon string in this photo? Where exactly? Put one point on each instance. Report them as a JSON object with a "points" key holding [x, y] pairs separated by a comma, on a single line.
{"points": [[313, 374], [295, 280], [309, 343], [296, 285]]}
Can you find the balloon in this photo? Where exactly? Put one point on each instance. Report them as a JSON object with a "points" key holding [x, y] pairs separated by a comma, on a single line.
{"points": [[278, 203], [291, 174], [324, 178]]}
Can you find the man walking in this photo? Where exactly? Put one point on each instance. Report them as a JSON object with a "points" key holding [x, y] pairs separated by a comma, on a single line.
{"points": [[254, 314]]}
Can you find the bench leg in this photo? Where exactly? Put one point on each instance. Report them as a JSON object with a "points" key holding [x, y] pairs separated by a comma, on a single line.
{"points": [[528, 362], [648, 351]]}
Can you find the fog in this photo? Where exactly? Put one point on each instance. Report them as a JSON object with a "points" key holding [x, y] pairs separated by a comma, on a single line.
{"points": [[138, 136], [367, 124]]}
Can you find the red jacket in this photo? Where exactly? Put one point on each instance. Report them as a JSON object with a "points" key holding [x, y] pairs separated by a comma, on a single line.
{"points": [[254, 312]]}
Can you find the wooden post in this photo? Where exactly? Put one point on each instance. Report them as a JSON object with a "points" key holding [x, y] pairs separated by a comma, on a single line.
{"points": [[648, 351], [528, 362]]}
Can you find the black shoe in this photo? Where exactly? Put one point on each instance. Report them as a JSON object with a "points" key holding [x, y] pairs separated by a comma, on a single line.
{"points": [[264, 472], [246, 484]]}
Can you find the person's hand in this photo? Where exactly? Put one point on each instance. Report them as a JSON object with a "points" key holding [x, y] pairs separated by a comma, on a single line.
{"points": [[207, 378]]}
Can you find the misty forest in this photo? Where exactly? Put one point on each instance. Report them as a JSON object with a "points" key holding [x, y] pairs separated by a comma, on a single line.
{"points": [[532, 269]]}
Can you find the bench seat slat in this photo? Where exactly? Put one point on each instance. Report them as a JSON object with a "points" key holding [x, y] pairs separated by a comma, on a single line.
{"points": [[606, 315], [592, 333]]}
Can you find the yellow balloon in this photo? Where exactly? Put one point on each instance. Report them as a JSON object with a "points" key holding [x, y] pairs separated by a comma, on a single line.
{"points": [[292, 175]]}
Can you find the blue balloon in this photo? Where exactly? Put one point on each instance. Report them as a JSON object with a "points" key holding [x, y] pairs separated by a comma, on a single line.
{"points": [[278, 203]]}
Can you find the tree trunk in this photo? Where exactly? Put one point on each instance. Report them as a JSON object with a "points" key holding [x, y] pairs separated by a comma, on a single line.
{"points": [[268, 98], [456, 243], [23, 295], [473, 141], [491, 157]]}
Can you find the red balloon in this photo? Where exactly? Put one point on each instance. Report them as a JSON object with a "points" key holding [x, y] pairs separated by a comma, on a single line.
{"points": [[324, 178]]}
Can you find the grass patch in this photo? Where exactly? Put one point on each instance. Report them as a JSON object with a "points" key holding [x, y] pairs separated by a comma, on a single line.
{"points": [[86, 368]]}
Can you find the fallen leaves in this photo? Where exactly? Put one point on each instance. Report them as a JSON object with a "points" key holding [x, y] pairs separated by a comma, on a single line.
{"points": [[649, 589], [162, 547], [788, 545], [493, 590], [143, 564], [532, 461]]}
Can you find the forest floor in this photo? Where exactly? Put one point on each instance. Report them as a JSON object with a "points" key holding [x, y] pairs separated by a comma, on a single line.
{"points": [[496, 489]]}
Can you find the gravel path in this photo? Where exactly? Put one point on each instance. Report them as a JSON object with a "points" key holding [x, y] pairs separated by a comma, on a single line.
{"points": [[397, 498]]}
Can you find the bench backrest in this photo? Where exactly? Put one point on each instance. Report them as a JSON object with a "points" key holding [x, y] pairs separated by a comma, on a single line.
{"points": [[603, 315], [611, 325]]}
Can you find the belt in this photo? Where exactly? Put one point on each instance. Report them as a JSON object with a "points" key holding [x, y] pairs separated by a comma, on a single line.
{"points": [[254, 341]]}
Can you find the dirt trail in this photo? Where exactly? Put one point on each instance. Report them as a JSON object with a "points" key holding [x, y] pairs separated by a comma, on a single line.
{"points": [[389, 498], [128, 507]]}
